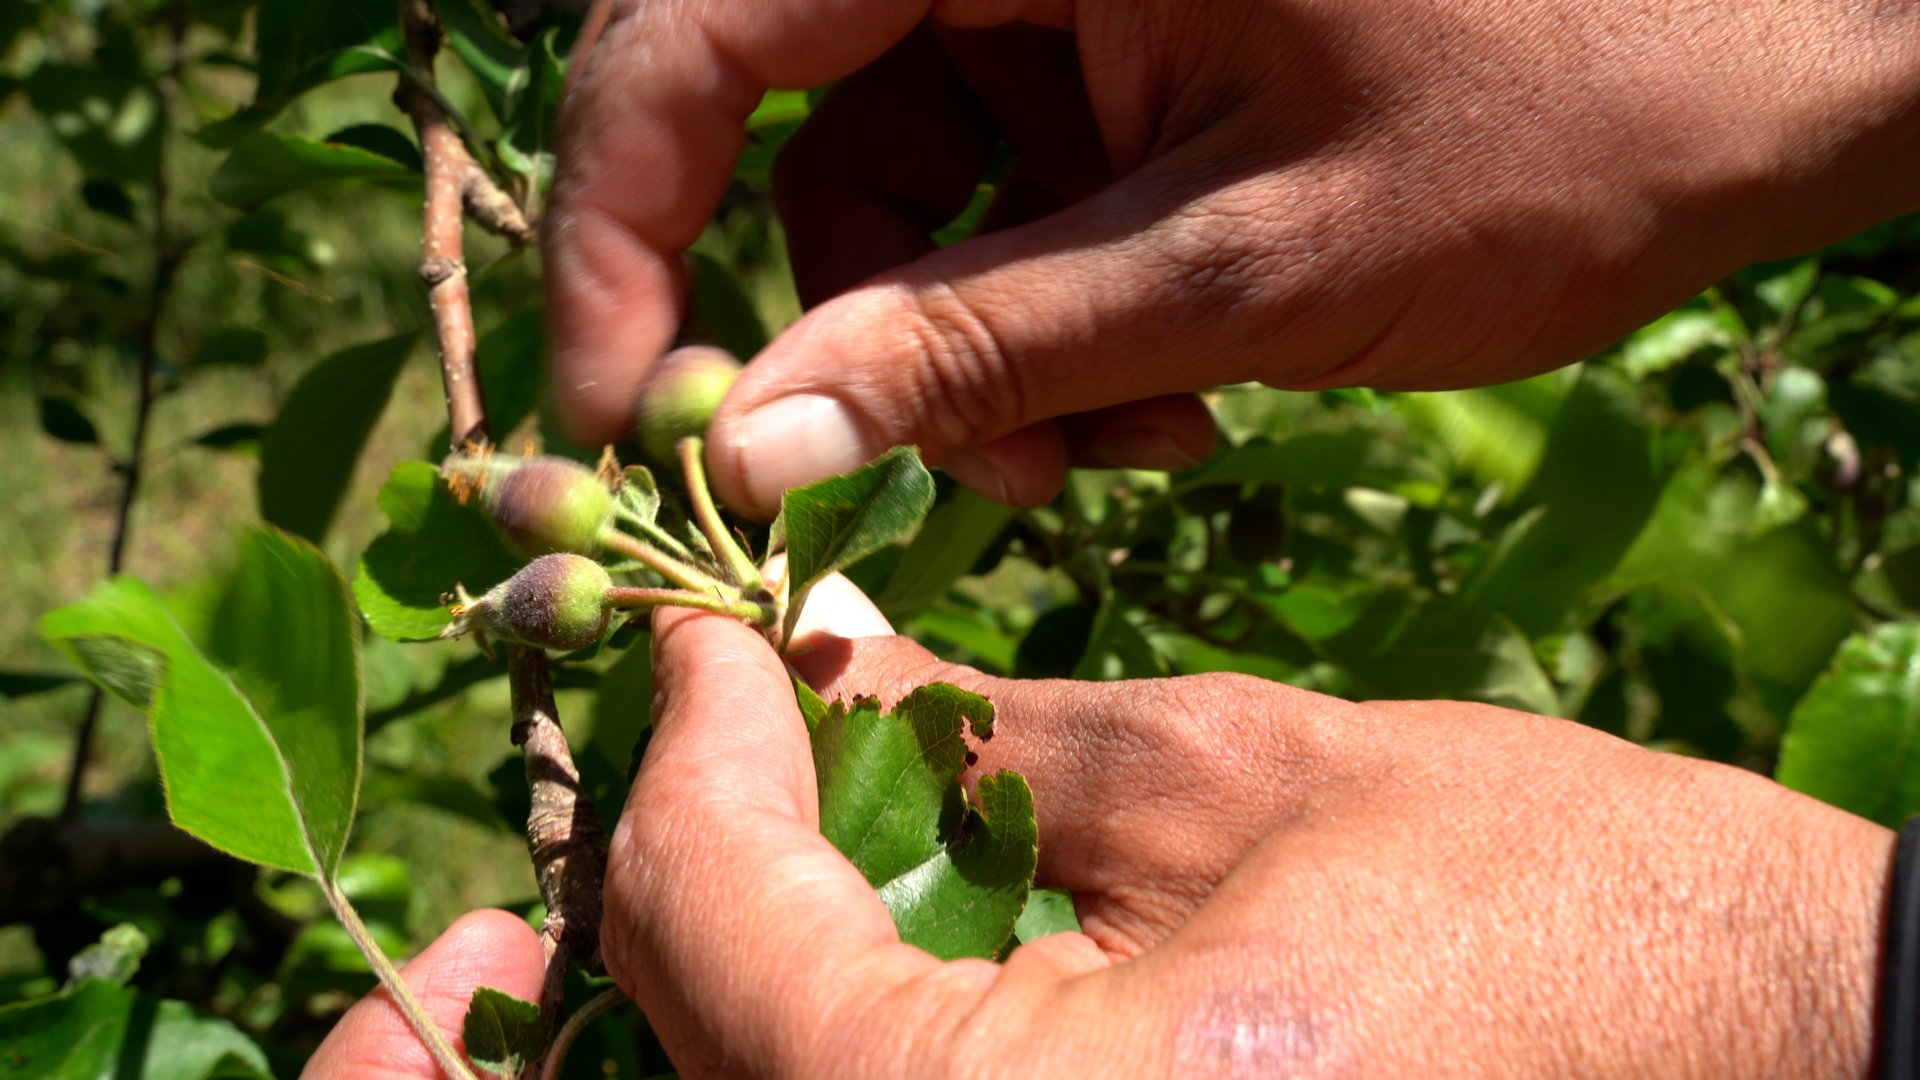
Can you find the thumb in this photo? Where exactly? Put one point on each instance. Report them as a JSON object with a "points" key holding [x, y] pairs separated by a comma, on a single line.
{"points": [[1147, 289]]}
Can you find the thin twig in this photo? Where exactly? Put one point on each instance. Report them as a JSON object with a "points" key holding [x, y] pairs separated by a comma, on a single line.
{"points": [[595, 1007], [166, 261]]}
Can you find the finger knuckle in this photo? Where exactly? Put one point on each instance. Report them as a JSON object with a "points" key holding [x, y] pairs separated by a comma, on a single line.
{"points": [[967, 383]]}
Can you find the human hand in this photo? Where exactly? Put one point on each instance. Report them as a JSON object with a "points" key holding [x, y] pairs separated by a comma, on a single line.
{"points": [[373, 1041], [1270, 882], [1398, 194]]}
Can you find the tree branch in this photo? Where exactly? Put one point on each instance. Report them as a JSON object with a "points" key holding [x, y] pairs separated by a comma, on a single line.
{"points": [[564, 835]]}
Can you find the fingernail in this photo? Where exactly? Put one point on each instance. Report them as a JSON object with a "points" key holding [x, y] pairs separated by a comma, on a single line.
{"points": [[1142, 448], [796, 440]]}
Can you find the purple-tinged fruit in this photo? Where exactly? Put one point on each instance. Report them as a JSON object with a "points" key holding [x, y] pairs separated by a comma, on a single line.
{"points": [[538, 505], [557, 602], [681, 393]]}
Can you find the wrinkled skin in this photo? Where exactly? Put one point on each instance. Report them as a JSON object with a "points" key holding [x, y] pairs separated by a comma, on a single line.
{"points": [[1391, 193]]}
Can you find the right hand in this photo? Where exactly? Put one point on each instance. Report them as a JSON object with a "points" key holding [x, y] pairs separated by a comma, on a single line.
{"points": [[1270, 882], [1395, 193]]}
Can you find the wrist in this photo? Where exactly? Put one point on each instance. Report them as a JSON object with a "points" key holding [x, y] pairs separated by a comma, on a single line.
{"points": [[1829, 955]]}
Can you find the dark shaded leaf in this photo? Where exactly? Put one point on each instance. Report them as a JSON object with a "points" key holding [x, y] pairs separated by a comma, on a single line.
{"points": [[502, 1033], [388, 142], [20, 684], [235, 346], [308, 455], [265, 164], [62, 419], [107, 197]]}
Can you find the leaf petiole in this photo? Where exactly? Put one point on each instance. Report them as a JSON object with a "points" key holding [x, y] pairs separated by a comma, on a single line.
{"points": [[424, 1028]]}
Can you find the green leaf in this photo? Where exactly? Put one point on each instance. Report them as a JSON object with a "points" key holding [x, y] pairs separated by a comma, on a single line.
{"points": [[1677, 335], [265, 164], [98, 1029], [526, 143], [838, 521], [1853, 738], [1403, 644], [502, 1033], [433, 543], [954, 537], [1048, 911], [1593, 491], [308, 455], [301, 45], [258, 737], [498, 62], [114, 958], [954, 876]]}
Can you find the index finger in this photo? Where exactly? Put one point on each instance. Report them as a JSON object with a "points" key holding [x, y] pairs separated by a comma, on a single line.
{"points": [[653, 121]]}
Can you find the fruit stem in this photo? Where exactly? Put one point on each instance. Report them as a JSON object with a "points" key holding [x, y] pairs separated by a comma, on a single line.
{"points": [[623, 597], [733, 560], [654, 534], [661, 563]]}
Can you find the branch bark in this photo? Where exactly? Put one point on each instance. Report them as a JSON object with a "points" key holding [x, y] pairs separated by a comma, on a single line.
{"points": [[564, 835]]}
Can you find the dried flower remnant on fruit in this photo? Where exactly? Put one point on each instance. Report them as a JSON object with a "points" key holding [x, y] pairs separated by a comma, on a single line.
{"points": [[538, 505], [556, 602], [682, 392]]}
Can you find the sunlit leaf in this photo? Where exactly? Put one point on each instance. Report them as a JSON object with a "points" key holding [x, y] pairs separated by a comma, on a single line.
{"points": [[955, 876], [1854, 737], [836, 522], [432, 544], [257, 737]]}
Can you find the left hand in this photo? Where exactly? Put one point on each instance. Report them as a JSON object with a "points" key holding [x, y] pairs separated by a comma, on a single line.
{"points": [[482, 948]]}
